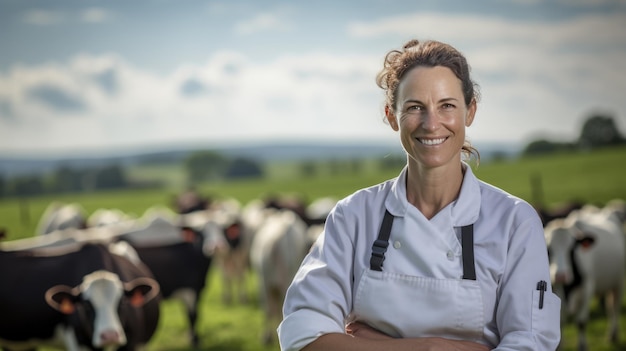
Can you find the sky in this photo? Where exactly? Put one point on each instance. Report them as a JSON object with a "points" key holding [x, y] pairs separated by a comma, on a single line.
{"points": [[85, 76]]}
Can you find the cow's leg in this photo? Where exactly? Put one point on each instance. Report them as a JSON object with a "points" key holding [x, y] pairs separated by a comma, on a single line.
{"points": [[582, 317], [227, 288], [273, 304], [69, 338], [190, 300], [582, 339], [193, 317], [241, 286], [227, 279], [241, 276], [614, 303]]}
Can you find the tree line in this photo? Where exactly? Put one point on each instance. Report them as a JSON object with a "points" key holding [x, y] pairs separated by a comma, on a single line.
{"points": [[207, 165], [598, 131]]}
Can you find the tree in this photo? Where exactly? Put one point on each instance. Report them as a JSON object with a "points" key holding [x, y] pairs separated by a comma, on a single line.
{"points": [[110, 177], [600, 130], [27, 186], [66, 179], [244, 168], [204, 165]]}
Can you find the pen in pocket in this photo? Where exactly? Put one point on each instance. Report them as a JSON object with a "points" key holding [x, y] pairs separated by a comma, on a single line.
{"points": [[542, 286]]}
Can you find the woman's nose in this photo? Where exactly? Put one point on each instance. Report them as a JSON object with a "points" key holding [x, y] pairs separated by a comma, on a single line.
{"points": [[430, 121]]}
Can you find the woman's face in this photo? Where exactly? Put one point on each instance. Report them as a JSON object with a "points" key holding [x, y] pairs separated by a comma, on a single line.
{"points": [[431, 116]]}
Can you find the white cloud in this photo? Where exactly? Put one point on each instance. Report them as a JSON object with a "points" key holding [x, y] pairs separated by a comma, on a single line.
{"points": [[94, 15], [537, 77], [320, 96], [473, 29], [267, 21], [47, 17], [43, 17]]}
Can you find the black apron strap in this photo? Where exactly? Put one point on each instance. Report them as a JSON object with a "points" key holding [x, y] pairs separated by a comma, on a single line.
{"points": [[467, 242], [382, 242], [380, 245]]}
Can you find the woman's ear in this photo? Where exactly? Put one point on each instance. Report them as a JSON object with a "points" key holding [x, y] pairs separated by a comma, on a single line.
{"points": [[391, 118], [471, 111]]}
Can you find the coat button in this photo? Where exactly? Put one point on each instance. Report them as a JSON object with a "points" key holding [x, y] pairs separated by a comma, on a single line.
{"points": [[450, 255], [397, 244]]}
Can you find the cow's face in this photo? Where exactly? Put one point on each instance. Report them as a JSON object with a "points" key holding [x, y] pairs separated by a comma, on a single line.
{"points": [[568, 254], [94, 307]]}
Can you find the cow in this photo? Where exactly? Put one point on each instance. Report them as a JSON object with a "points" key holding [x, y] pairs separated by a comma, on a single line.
{"points": [[560, 211], [587, 259], [62, 216], [179, 257], [234, 237], [277, 250], [75, 296], [190, 201], [106, 216], [61, 238]]}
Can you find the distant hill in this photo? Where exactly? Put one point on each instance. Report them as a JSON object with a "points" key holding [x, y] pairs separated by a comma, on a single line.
{"points": [[281, 151]]}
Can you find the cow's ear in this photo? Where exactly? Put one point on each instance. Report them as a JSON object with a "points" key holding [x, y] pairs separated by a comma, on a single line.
{"points": [[233, 231], [136, 297], [188, 234], [62, 298], [141, 290], [586, 241]]}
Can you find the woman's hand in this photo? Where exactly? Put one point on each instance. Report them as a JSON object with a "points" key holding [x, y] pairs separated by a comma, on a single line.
{"points": [[364, 331]]}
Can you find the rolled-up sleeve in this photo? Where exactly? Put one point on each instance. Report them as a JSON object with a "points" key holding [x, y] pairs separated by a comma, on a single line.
{"points": [[320, 295], [520, 320]]}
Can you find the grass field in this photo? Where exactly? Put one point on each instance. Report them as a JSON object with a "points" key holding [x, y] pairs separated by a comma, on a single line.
{"points": [[594, 177]]}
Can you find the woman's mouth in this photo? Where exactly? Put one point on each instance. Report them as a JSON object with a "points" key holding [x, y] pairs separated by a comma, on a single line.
{"points": [[431, 142]]}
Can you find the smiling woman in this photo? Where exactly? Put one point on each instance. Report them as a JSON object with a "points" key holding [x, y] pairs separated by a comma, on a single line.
{"points": [[466, 257]]}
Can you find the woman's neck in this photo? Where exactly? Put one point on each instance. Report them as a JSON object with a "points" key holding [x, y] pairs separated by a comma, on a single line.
{"points": [[432, 189]]}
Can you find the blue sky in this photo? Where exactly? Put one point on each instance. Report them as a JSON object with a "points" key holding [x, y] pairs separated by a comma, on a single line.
{"points": [[93, 76]]}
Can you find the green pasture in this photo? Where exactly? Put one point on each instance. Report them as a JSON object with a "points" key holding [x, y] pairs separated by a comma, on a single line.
{"points": [[593, 177]]}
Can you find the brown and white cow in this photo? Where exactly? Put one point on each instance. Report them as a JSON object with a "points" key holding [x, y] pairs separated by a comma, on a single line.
{"points": [[75, 296], [587, 259]]}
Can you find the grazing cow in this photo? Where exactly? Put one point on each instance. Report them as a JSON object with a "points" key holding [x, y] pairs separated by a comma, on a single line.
{"points": [[73, 297], [59, 216], [587, 257], [60, 238], [277, 250], [319, 209], [232, 250], [190, 201], [179, 258], [105, 216], [298, 206]]}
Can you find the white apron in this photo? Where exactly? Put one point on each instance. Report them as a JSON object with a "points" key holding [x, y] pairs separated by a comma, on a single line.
{"points": [[449, 308]]}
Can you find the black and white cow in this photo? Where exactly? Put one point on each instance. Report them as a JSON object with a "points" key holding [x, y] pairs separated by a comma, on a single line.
{"points": [[59, 216], [75, 297], [179, 259], [587, 259]]}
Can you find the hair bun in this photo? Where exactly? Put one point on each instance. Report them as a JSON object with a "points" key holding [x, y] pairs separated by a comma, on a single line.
{"points": [[411, 43]]}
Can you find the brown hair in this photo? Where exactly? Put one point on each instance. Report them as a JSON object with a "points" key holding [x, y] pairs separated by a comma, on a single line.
{"points": [[429, 53]]}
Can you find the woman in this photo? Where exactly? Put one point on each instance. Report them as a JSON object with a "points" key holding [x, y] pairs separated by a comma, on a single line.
{"points": [[434, 259]]}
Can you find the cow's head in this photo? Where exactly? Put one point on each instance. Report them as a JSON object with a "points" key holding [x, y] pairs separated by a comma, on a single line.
{"points": [[95, 306], [568, 251]]}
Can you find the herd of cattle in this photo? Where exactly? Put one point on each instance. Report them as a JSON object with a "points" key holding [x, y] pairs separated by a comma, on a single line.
{"points": [[96, 281]]}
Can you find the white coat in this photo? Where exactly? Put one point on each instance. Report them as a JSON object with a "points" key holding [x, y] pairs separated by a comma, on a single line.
{"points": [[510, 262]]}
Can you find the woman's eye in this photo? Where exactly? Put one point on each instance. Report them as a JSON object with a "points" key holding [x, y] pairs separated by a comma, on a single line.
{"points": [[414, 108]]}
